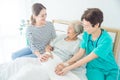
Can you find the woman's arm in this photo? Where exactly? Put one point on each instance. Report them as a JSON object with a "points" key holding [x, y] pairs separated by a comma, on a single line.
{"points": [[82, 61], [37, 53], [31, 41], [77, 56]]}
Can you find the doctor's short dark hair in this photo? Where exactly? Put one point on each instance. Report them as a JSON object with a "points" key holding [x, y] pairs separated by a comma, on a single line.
{"points": [[93, 15]]}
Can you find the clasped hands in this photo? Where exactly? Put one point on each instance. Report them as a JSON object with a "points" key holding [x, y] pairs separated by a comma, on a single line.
{"points": [[44, 57], [61, 69]]}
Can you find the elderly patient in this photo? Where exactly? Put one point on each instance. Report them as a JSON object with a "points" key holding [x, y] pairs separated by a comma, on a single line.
{"points": [[60, 50]]}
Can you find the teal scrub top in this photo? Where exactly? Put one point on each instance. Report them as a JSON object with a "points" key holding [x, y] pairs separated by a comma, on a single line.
{"points": [[103, 48]]}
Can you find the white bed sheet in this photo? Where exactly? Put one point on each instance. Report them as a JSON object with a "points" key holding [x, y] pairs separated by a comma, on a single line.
{"points": [[31, 69]]}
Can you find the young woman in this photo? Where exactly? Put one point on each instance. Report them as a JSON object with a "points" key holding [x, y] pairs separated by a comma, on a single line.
{"points": [[38, 34], [98, 46]]}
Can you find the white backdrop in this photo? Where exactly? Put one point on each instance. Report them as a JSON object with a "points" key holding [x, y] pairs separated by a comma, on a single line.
{"points": [[56, 9]]}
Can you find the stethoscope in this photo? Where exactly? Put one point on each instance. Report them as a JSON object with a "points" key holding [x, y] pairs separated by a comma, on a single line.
{"points": [[89, 40]]}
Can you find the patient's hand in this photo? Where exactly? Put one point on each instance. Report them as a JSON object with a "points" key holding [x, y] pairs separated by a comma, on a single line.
{"points": [[59, 68], [48, 48]]}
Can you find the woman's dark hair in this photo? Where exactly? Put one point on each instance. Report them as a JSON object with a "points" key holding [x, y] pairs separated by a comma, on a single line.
{"points": [[36, 8], [93, 15]]}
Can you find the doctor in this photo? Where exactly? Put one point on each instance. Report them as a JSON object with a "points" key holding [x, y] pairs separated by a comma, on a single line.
{"points": [[98, 46]]}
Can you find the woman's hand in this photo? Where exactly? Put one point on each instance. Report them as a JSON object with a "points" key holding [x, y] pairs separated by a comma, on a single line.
{"points": [[59, 67]]}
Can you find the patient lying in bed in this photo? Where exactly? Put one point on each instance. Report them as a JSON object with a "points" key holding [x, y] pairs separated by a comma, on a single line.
{"points": [[33, 69]]}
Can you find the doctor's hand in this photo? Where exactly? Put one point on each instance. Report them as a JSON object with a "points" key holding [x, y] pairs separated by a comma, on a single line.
{"points": [[63, 71], [59, 67]]}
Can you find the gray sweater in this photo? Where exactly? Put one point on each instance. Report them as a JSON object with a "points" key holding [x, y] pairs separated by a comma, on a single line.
{"points": [[39, 37]]}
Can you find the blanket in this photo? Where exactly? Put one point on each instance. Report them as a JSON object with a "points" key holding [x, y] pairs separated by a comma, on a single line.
{"points": [[33, 69]]}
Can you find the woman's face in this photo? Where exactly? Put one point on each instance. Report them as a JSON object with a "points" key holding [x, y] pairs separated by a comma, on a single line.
{"points": [[71, 31], [88, 27], [41, 18]]}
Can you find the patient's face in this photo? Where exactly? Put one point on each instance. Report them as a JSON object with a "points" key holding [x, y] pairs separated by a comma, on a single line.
{"points": [[71, 31]]}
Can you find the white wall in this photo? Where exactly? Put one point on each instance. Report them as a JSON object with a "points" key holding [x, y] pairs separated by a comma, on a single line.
{"points": [[73, 9], [62, 9]]}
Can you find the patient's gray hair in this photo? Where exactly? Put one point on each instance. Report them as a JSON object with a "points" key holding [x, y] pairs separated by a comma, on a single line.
{"points": [[77, 26]]}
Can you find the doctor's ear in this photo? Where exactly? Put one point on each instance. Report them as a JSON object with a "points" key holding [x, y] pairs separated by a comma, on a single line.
{"points": [[97, 25]]}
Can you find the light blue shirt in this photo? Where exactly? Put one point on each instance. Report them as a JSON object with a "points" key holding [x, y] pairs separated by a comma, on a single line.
{"points": [[65, 50]]}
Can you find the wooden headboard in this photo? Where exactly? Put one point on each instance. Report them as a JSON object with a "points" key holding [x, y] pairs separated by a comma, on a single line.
{"points": [[116, 41]]}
